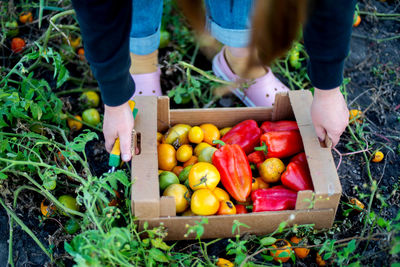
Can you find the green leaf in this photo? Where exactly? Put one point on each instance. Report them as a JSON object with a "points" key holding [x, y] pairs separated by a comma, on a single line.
{"points": [[3, 176], [157, 255], [351, 246], [282, 226], [63, 76], [159, 243], [36, 111], [266, 241], [396, 264]]}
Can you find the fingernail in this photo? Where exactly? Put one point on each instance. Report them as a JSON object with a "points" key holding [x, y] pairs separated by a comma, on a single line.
{"points": [[126, 157]]}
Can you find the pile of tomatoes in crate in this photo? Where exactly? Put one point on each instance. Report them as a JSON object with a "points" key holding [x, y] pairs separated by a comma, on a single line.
{"points": [[259, 168]]}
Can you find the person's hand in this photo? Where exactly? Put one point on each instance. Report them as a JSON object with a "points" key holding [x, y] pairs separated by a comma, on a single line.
{"points": [[329, 114], [118, 122]]}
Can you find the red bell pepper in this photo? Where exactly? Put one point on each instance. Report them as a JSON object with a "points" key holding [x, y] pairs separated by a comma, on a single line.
{"points": [[234, 168], [273, 199], [279, 126], [240, 209], [281, 144], [256, 157], [245, 134], [297, 174]]}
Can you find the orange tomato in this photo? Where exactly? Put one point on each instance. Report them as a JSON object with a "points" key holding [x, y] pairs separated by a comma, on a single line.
{"points": [[184, 153], [357, 20], [271, 169], [211, 133], [25, 17], [301, 253], [254, 184], [47, 210], [166, 157], [196, 135], [283, 252], [360, 206], [191, 161], [355, 115], [177, 170], [81, 54], [17, 44], [204, 202], [221, 194], [224, 263], [319, 260], [226, 208], [262, 184], [378, 156]]}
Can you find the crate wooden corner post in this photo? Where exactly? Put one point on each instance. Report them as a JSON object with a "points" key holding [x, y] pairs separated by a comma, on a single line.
{"points": [[327, 188], [145, 190]]}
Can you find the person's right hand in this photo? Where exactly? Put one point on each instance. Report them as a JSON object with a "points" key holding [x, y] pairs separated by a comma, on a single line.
{"points": [[118, 122]]}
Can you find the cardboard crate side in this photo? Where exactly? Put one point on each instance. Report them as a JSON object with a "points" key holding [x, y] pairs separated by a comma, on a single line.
{"points": [[305, 200], [145, 188], [260, 223], [162, 113], [167, 206], [301, 104], [220, 117], [282, 109]]}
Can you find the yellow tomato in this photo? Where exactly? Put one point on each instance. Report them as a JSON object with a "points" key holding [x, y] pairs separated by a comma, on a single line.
{"points": [[261, 183], [224, 263], [177, 135], [221, 194], [189, 212], [378, 156], [223, 131], [181, 195], [271, 169], [166, 157], [191, 161], [211, 133], [196, 135], [200, 147], [204, 202], [203, 175], [159, 137], [73, 124], [184, 153], [254, 184]]}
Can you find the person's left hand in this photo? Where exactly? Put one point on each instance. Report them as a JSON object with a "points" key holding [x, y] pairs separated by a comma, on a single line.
{"points": [[329, 114]]}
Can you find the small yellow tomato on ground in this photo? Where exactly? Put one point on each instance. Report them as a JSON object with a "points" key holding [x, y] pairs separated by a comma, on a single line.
{"points": [[204, 202], [73, 124], [191, 161], [224, 263], [221, 194], [378, 156], [223, 131], [91, 116], [196, 135], [203, 175], [271, 169], [166, 157], [283, 251], [68, 202], [319, 260], [91, 98], [211, 133], [360, 206], [75, 42], [226, 208], [200, 147], [184, 153], [25, 17], [301, 253], [355, 115], [47, 210], [181, 195]]}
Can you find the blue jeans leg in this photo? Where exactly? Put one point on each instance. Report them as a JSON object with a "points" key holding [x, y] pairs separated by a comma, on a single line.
{"points": [[145, 29], [229, 21]]}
